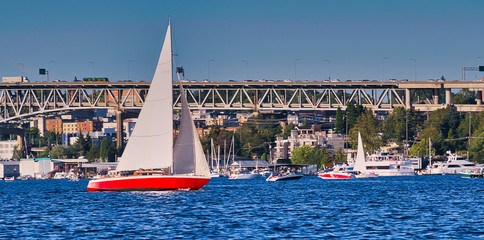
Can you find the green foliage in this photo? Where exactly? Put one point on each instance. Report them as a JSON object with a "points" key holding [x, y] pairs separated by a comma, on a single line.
{"points": [[367, 125], [394, 126], [310, 155], [286, 132], [18, 154], [253, 137], [339, 124], [93, 154], [104, 151], [264, 157], [58, 152], [464, 97]]}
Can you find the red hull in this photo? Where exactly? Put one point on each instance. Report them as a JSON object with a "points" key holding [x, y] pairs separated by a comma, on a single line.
{"points": [[336, 176], [147, 183]]}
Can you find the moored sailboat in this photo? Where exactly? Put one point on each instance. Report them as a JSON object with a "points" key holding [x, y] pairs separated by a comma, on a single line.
{"points": [[150, 162]]}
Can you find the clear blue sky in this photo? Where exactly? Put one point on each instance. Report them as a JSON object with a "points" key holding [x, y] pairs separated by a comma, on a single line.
{"points": [[355, 36]]}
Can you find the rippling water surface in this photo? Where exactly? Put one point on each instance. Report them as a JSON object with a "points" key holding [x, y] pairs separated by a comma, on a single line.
{"points": [[435, 207]]}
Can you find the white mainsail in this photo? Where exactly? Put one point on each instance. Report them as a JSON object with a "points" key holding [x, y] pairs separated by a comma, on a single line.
{"points": [[151, 144], [360, 156], [189, 157]]}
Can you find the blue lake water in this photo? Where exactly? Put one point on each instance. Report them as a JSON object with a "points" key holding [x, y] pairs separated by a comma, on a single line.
{"points": [[420, 207]]}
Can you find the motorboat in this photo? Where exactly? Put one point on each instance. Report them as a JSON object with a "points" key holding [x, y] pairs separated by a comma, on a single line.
{"points": [[385, 164], [180, 166], [284, 177], [477, 172], [9, 179], [244, 174], [455, 164], [366, 175], [336, 175]]}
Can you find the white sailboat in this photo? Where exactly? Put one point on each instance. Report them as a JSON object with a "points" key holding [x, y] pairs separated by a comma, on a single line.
{"points": [[381, 164], [150, 162], [359, 167]]}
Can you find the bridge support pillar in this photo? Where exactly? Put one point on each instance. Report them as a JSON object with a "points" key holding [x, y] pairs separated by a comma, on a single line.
{"points": [[448, 96], [479, 97], [408, 102], [436, 96], [20, 142], [119, 129]]}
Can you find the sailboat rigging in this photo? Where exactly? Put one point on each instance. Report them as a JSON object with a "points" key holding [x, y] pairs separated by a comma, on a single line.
{"points": [[150, 162]]}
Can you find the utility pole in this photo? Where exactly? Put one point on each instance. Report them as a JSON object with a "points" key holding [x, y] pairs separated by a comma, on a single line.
{"points": [[470, 125], [406, 132]]}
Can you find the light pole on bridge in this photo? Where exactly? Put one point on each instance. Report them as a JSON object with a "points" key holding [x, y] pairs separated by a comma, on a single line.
{"points": [[295, 69], [128, 67], [329, 69], [414, 69], [477, 65], [247, 69]]}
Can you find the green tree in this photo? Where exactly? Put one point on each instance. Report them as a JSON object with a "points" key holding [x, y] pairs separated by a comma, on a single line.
{"points": [[80, 145], [367, 125], [310, 155], [58, 152], [464, 96], [93, 154], [339, 126], [18, 154], [286, 132], [104, 151]]}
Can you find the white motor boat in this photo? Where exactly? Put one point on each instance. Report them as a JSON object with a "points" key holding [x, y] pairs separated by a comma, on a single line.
{"points": [[284, 177], [455, 164], [381, 164], [245, 174]]}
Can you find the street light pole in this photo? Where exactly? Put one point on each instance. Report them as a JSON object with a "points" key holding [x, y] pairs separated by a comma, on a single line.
{"points": [[477, 65], [128, 67], [94, 69], [383, 69], [208, 68], [295, 69], [415, 68], [329, 69], [247, 69]]}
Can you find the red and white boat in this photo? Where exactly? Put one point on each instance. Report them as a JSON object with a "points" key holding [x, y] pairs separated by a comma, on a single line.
{"points": [[336, 175], [150, 162]]}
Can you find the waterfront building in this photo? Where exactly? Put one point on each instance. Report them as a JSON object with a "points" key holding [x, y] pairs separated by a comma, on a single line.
{"points": [[7, 148], [9, 169], [69, 127], [36, 167], [311, 137], [39, 123], [284, 147], [89, 126], [53, 125]]}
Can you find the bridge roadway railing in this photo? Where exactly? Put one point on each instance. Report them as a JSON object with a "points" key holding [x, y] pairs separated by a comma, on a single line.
{"points": [[24, 100]]}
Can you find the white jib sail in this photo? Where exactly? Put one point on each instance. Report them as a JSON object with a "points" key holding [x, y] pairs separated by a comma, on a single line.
{"points": [[360, 156], [151, 144], [189, 157]]}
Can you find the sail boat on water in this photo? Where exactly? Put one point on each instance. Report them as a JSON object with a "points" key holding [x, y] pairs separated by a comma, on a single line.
{"points": [[150, 162]]}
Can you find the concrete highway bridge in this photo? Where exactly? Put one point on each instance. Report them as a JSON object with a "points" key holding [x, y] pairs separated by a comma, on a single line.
{"points": [[20, 101]]}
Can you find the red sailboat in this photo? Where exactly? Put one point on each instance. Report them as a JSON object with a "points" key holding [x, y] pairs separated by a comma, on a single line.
{"points": [[150, 162]]}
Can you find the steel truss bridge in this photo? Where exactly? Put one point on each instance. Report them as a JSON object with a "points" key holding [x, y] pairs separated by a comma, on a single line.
{"points": [[26, 100]]}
